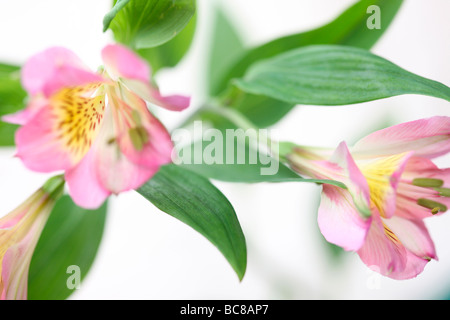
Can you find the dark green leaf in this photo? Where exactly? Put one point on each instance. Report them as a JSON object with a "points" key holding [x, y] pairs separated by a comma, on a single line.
{"points": [[193, 200], [170, 53], [12, 97], [71, 237], [144, 24], [334, 75]]}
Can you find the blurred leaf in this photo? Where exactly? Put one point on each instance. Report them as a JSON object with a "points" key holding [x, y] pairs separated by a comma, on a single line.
{"points": [[229, 154], [170, 53], [142, 24], [71, 237], [12, 97], [225, 46], [334, 75], [193, 200], [347, 29], [263, 111]]}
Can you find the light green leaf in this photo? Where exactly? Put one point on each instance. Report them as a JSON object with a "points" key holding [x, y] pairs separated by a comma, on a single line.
{"points": [[118, 5], [349, 28], [242, 160], [71, 237], [142, 24], [334, 75], [172, 52], [12, 99], [225, 46], [193, 200]]}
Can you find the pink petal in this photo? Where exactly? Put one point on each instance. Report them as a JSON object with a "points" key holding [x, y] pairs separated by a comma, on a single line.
{"points": [[426, 137], [389, 257], [39, 147], [413, 234], [84, 185], [23, 116], [151, 94], [121, 62], [42, 67], [134, 73], [353, 179], [106, 170], [339, 221], [158, 150], [173, 103], [69, 77]]}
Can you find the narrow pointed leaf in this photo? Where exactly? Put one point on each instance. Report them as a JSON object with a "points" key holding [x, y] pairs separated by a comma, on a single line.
{"points": [[71, 237], [349, 28], [334, 75], [193, 200]]}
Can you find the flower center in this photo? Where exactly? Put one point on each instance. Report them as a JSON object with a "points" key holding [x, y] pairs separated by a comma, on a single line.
{"points": [[78, 112]]}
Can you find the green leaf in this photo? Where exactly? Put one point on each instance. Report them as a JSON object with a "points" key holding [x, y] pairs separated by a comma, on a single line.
{"points": [[172, 52], [71, 237], [231, 155], [334, 75], [193, 200], [225, 46], [142, 24], [349, 28], [117, 6], [12, 99], [261, 110]]}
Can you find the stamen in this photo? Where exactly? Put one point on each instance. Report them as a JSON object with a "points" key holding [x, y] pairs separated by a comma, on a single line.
{"points": [[444, 192], [139, 137], [435, 207], [428, 183]]}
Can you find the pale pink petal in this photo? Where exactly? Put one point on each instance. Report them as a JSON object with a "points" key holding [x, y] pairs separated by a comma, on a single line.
{"points": [[426, 137], [173, 102], [424, 168], [353, 179], [151, 94], [380, 253], [121, 62], [339, 220], [42, 67], [17, 259], [414, 235], [383, 253], [158, 150]]}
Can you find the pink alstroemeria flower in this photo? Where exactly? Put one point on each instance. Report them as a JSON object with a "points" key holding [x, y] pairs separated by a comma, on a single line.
{"points": [[96, 127], [392, 186], [20, 231]]}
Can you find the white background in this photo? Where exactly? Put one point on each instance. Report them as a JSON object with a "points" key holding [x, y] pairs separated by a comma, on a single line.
{"points": [[146, 254]]}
